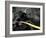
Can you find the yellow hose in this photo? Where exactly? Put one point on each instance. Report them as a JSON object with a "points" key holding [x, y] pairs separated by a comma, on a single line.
{"points": [[31, 24]]}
